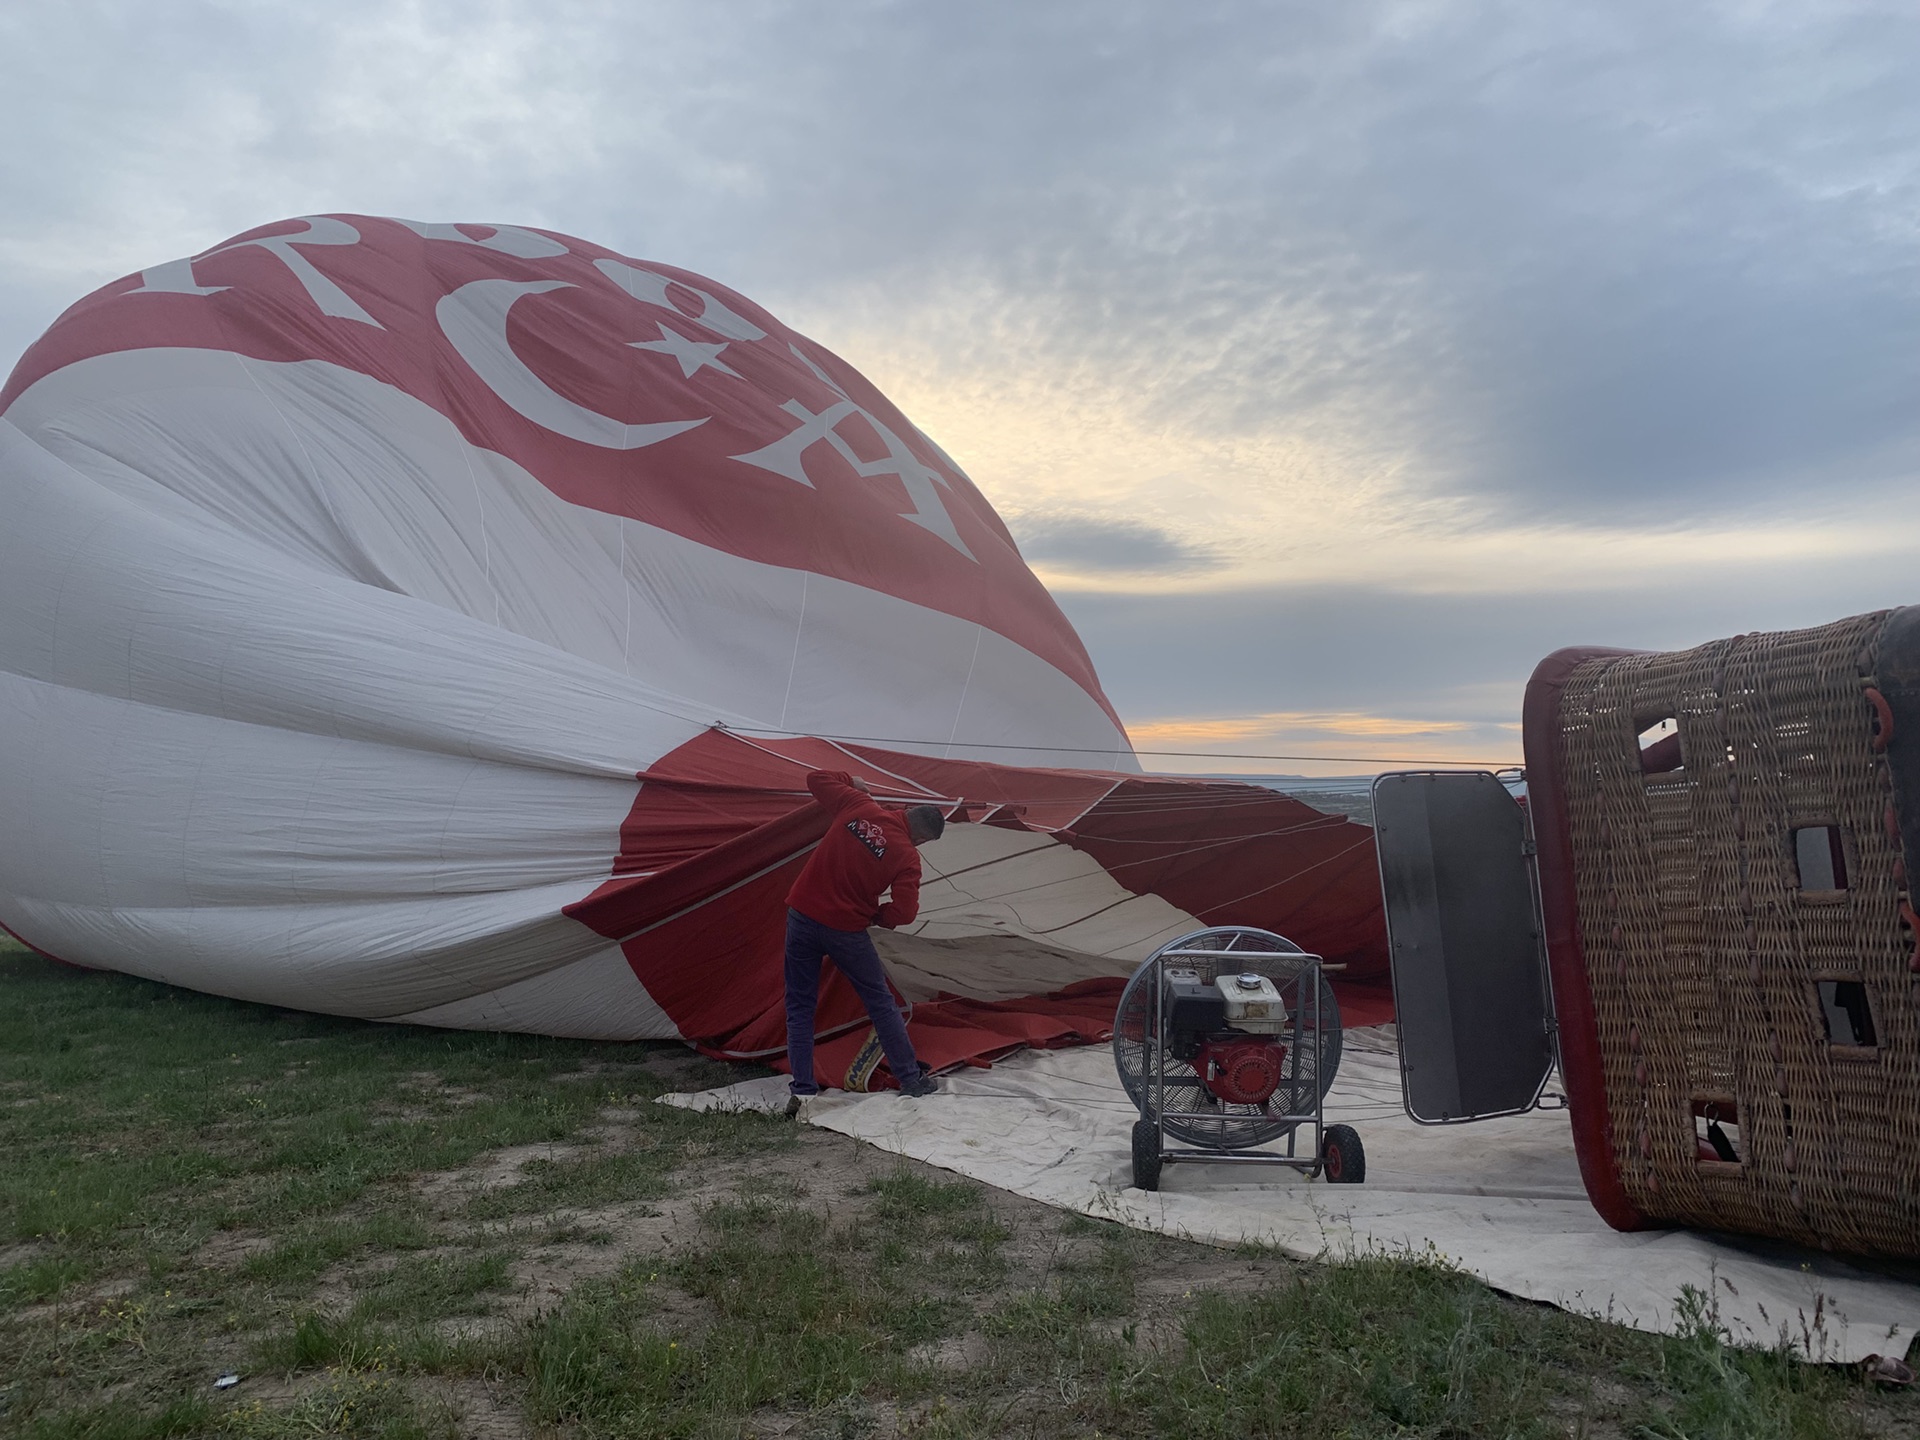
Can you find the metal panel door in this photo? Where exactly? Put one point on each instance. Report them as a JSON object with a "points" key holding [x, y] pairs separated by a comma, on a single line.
{"points": [[1469, 972]]}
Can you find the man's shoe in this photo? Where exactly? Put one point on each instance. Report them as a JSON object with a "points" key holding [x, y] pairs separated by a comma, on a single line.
{"points": [[922, 1084], [793, 1107]]}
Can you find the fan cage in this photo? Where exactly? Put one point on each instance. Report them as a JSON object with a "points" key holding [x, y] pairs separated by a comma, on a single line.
{"points": [[1171, 1091]]}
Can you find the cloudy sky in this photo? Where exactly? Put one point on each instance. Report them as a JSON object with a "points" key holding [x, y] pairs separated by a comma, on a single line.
{"points": [[1332, 361]]}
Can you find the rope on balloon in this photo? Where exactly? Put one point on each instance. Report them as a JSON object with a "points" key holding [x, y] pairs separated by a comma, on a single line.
{"points": [[1116, 752]]}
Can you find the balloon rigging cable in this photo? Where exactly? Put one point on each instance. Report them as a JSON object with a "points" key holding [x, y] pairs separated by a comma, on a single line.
{"points": [[1093, 750]]}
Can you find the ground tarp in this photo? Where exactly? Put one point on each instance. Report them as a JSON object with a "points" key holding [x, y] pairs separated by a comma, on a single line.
{"points": [[1501, 1199]]}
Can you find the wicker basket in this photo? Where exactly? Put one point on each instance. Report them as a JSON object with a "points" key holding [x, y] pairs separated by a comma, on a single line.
{"points": [[1729, 927]]}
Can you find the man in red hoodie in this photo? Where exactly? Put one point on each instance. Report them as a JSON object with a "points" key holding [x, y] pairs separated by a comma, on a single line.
{"points": [[867, 850]]}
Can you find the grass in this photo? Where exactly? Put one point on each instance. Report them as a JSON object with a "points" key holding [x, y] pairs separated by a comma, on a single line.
{"points": [[1410, 1348], [143, 1125], [195, 1185]]}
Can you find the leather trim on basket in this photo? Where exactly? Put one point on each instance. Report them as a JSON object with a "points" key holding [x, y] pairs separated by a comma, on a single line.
{"points": [[1899, 689], [1560, 915]]}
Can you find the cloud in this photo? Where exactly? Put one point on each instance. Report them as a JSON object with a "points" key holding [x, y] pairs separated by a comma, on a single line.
{"points": [[1094, 545], [1507, 260], [1309, 743], [1235, 728], [1536, 261], [1328, 359], [1340, 669]]}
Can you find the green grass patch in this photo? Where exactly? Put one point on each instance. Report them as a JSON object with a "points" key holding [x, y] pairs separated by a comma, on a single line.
{"points": [[310, 1247], [940, 1227], [35, 1281], [602, 1364], [150, 1132], [435, 1286], [548, 1185], [1390, 1348], [907, 1195], [123, 1420], [786, 1270], [1373, 1347], [141, 1122], [321, 1342], [1708, 1389], [805, 1319], [367, 1407]]}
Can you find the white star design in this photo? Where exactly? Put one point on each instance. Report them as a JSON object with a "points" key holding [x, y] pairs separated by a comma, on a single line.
{"points": [[689, 352]]}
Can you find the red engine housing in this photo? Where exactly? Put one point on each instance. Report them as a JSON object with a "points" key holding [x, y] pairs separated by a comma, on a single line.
{"points": [[1242, 1069]]}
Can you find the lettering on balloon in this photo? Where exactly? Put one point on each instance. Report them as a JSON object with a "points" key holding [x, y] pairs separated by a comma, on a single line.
{"points": [[177, 277], [787, 456], [473, 318], [507, 239]]}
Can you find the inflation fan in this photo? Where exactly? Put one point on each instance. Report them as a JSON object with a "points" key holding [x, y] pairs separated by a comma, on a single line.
{"points": [[1227, 1040]]}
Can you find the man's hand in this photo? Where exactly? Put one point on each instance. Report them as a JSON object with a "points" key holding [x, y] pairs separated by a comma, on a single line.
{"points": [[860, 784]]}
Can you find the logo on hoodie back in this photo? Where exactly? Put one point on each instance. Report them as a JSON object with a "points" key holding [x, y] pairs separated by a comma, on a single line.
{"points": [[871, 836]]}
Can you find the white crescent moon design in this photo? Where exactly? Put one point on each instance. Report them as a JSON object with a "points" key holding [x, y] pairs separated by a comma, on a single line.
{"points": [[474, 320]]}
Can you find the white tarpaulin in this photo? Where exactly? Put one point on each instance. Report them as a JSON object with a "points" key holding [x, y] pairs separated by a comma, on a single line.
{"points": [[1501, 1199]]}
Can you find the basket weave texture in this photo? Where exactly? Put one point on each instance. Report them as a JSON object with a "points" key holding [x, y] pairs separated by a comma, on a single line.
{"points": [[1704, 953]]}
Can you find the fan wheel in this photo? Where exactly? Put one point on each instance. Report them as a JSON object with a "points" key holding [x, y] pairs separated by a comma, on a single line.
{"points": [[1146, 1155], [1343, 1160]]}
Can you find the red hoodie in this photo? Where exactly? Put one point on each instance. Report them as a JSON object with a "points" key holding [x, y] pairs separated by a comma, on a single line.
{"points": [[865, 851]]}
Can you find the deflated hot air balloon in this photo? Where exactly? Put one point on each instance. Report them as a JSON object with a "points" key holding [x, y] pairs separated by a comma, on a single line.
{"points": [[437, 622]]}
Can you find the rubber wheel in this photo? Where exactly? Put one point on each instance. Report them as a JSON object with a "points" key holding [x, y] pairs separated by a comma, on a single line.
{"points": [[1146, 1155], [1343, 1161]]}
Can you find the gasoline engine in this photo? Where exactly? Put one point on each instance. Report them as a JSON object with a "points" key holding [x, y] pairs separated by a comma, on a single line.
{"points": [[1231, 1030]]}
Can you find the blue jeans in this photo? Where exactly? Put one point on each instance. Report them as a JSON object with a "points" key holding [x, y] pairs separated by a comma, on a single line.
{"points": [[852, 950]]}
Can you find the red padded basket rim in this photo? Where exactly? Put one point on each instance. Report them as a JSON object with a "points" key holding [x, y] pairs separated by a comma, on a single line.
{"points": [[1572, 994]]}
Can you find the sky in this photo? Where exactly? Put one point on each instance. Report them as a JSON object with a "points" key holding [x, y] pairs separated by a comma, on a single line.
{"points": [[1333, 363]]}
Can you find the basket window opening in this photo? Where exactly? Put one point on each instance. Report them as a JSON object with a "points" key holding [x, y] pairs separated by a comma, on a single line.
{"points": [[1659, 742], [1847, 1014], [1716, 1130], [1820, 857]]}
